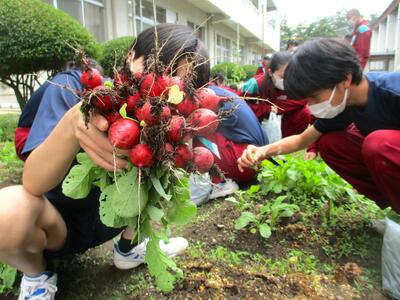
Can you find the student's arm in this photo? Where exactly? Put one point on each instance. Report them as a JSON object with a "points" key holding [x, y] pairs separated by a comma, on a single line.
{"points": [[254, 155], [48, 164]]}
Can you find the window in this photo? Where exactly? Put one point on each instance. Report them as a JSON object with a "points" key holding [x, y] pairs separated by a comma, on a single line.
{"points": [[255, 3], [237, 56], [145, 16], [199, 30], [90, 13], [254, 58], [223, 47]]}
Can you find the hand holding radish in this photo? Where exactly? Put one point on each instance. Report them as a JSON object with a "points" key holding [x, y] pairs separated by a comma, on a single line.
{"points": [[95, 143]]}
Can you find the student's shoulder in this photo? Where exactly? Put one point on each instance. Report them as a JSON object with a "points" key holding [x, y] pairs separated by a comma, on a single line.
{"points": [[69, 76], [386, 81]]}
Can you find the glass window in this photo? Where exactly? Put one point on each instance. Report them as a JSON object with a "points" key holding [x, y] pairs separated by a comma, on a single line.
{"points": [[223, 48], [94, 21], [71, 7], [199, 30], [145, 16], [255, 3]]}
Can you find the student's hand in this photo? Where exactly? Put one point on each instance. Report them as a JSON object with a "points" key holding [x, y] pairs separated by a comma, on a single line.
{"points": [[310, 155], [94, 141], [252, 156]]}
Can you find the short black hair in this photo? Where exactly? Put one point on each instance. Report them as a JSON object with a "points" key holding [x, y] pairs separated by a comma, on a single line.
{"points": [[292, 43], [174, 41], [266, 58], [320, 64]]}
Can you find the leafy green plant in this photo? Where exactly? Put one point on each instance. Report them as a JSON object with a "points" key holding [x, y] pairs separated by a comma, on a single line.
{"points": [[11, 165], [148, 206], [114, 52], [250, 71], [233, 72], [309, 182], [266, 217], [7, 278], [8, 123]]}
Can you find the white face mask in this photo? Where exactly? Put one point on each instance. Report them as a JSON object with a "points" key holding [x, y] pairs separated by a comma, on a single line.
{"points": [[325, 110], [278, 82]]}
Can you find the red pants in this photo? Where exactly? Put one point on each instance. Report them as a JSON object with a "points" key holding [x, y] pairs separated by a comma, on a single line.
{"points": [[371, 164], [20, 137], [229, 152]]}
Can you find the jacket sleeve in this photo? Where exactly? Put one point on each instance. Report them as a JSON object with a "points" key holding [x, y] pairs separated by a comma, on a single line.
{"points": [[364, 44]]}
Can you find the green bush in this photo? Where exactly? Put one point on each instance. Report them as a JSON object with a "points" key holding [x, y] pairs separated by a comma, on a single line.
{"points": [[8, 123], [233, 72], [250, 71], [114, 52], [34, 36]]}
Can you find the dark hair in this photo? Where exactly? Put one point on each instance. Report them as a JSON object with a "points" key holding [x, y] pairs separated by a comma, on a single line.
{"points": [[78, 64], [266, 57], [175, 41], [321, 64], [278, 60], [220, 77], [291, 43]]}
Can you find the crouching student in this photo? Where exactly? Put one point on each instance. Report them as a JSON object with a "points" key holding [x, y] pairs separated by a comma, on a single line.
{"points": [[358, 124], [295, 114], [37, 221], [233, 135]]}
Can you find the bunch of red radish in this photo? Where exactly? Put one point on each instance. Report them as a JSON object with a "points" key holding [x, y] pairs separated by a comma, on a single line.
{"points": [[154, 116]]}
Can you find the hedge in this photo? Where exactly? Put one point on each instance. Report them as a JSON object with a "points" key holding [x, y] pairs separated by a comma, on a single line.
{"points": [[114, 52], [233, 72]]}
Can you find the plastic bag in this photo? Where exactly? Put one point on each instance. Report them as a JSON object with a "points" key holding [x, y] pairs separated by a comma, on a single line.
{"points": [[200, 188], [391, 259], [272, 127]]}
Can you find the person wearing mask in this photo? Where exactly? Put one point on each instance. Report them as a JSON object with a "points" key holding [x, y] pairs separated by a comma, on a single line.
{"points": [[263, 66], [361, 36], [296, 116], [38, 222], [357, 125]]}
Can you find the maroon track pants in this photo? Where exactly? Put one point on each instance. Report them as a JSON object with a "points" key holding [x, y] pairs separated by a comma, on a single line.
{"points": [[370, 163]]}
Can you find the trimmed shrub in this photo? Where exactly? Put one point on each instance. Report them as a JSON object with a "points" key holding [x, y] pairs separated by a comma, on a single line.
{"points": [[233, 72], [114, 53], [34, 37], [250, 71]]}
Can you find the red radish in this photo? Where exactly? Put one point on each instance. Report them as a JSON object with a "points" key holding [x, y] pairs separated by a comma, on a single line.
{"points": [[139, 114], [146, 115], [124, 133], [177, 131], [166, 150], [187, 106], [176, 80], [112, 117], [203, 121], [165, 114], [208, 99], [138, 75], [131, 101], [101, 99], [203, 159], [153, 86], [183, 155], [91, 78], [141, 156]]}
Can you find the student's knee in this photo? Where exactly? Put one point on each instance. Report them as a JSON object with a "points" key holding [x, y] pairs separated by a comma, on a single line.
{"points": [[327, 144], [19, 212], [375, 145]]}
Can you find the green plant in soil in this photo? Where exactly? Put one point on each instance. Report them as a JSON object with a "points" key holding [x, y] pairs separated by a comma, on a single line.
{"points": [[10, 165], [8, 276]]}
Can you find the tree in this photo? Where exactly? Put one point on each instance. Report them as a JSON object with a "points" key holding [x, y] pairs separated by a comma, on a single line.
{"points": [[331, 26], [35, 37]]}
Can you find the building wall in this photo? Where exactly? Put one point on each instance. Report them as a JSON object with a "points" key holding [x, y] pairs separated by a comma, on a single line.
{"points": [[385, 43], [259, 31]]}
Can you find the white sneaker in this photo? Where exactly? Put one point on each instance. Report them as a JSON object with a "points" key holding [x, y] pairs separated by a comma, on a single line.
{"points": [[224, 189], [135, 257], [41, 287]]}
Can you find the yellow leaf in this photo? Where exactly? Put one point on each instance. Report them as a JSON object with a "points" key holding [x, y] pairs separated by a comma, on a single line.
{"points": [[143, 124], [175, 96]]}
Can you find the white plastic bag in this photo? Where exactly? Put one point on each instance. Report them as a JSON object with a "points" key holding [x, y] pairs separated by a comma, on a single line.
{"points": [[200, 188], [391, 259], [272, 127]]}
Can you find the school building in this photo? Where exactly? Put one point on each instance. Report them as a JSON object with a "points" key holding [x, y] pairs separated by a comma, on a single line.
{"points": [[233, 30], [385, 42]]}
